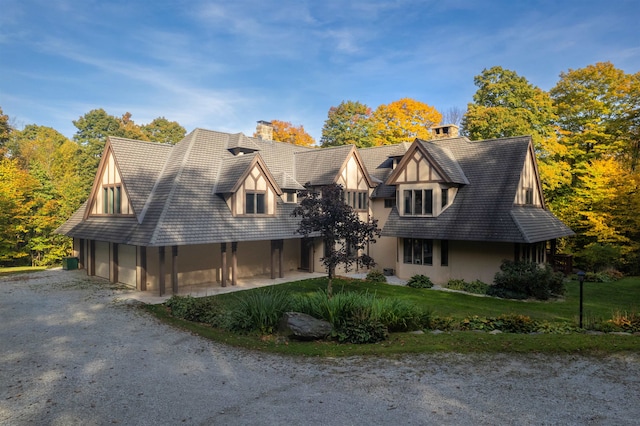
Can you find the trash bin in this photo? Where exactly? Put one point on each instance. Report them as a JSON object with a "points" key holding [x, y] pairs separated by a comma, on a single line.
{"points": [[70, 263]]}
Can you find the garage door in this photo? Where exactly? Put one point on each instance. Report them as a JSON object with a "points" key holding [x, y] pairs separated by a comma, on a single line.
{"points": [[102, 259], [127, 264]]}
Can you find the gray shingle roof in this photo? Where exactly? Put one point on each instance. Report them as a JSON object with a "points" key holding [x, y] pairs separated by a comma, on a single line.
{"points": [[320, 167], [483, 210], [177, 191]]}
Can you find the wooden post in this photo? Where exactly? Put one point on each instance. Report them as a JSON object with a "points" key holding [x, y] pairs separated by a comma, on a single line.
{"points": [[273, 258], [143, 268], [281, 258], [174, 269], [114, 263], [161, 278], [81, 261], [234, 263], [223, 262], [92, 257]]}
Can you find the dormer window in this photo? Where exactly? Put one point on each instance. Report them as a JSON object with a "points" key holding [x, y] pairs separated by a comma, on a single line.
{"points": [[112, 199], [255, 203], [418, 202], [444, 197]]}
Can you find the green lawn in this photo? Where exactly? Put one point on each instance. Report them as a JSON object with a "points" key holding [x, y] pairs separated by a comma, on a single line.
{"points": [[601, 300], [20, 270]]}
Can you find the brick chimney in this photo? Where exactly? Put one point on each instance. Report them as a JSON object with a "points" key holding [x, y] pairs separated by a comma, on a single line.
{"points": [[264, 130], [445, 131]]}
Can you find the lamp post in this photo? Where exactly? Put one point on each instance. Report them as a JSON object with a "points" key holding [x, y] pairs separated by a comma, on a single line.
{"points": [[581, 279]]}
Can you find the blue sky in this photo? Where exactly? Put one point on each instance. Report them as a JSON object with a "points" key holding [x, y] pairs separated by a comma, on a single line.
{"points": [[223, 65]]}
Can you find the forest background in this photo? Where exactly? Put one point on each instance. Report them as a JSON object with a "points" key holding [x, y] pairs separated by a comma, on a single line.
{"points": [[586, 132]]}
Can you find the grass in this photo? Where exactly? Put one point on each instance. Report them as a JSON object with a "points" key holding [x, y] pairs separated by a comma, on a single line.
{"points": [[20, 270], [601, 300]]}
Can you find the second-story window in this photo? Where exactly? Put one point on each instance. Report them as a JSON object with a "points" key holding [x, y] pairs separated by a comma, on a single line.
{"points": [[112, 199], [418, 202], [255, 203], [358, 200]]}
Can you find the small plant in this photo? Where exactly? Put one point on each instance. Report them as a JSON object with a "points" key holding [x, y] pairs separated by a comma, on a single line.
{"points": [[420, 281], [625, 321], [376, 276]]}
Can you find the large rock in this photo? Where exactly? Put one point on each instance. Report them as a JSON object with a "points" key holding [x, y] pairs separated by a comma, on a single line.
{"points": [[304, 327]]}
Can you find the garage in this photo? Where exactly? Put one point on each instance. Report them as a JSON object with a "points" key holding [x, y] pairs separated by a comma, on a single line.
{"points": [[127, 264], [102, 259]]}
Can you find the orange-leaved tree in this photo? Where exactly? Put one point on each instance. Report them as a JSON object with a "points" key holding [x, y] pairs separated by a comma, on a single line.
{"points": [[403, 121], [284, 131]]}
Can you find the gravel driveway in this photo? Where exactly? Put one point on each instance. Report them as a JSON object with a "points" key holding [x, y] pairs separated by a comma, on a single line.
{"points": [[74, 351]]}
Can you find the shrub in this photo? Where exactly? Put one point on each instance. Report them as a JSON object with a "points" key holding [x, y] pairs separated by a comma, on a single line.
{"points": [[419, 281], [442, 324], [202, 309], [376, 276], [259, 310], [505, 294], [475, 287], [528, 278]]}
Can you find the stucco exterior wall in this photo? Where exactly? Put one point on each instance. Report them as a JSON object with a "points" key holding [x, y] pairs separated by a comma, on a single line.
{"points": [[384, 250], [468, 260], [477, 260]]}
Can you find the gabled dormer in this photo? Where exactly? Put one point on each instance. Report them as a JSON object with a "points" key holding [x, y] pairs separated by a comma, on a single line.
{"points": [[109, 195], [355, 180], [529, 190], [426, 179], [248, 186]]}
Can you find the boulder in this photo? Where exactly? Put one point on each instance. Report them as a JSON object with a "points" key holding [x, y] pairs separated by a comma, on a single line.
{"points": [[304, 327]]}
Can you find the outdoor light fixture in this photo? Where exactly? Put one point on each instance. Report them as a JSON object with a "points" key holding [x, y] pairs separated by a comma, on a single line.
{"points": [[581, 279]]}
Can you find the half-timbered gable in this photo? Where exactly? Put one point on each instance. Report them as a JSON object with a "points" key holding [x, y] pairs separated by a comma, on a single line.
{"points": [[109, 195], [529, 190]]}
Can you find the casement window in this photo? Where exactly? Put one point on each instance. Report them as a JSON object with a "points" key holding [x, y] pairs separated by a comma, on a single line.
{"points": [[358, 200], [528, 196], [418, 251], [444, 197], [255, 203], [418, 202], [290, 197], [112, 199], [389, 203]]}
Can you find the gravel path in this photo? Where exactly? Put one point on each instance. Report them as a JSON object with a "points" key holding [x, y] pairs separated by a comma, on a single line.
{"points": [[73, 351]]}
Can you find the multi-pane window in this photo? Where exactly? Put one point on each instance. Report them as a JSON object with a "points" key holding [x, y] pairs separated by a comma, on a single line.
{"points": [[358, 200], [389, 203], [418, 202], [255, 203], [528, 196], [112, 199], [418, 251], [444, 197]]}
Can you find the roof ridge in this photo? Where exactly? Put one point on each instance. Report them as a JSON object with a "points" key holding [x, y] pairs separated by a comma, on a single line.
{"points": [[174, 184]]}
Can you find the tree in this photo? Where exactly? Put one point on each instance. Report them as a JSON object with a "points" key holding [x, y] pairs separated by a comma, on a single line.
{"points": [[403, 121], [324, 213], [505, 105], [16, 210], [348, 123], [284, 131], [5, 130], [598, 111], [164, 131]]}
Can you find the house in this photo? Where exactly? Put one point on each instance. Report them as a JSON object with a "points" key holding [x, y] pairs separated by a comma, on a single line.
{"points": [[217, 207]]}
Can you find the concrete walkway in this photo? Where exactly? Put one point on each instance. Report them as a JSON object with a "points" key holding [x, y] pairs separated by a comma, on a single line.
{"points": [[211, 289]]}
